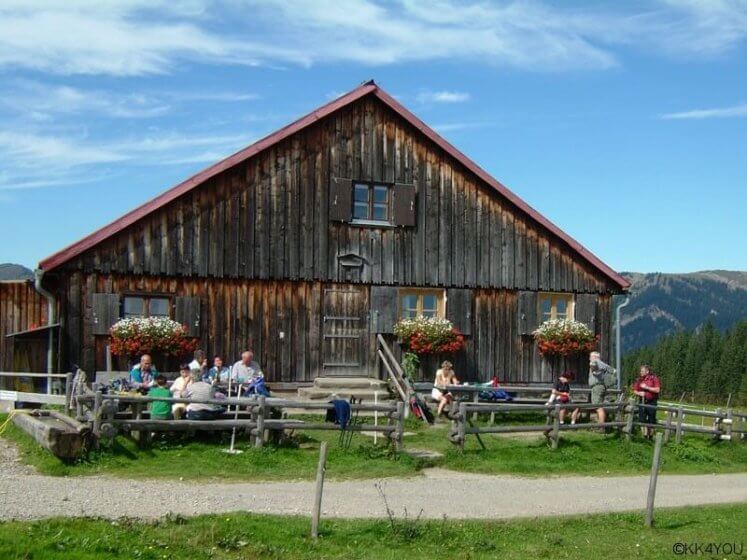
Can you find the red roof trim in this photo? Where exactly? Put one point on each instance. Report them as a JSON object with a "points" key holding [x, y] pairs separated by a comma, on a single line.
{"points": [[368, 87]]}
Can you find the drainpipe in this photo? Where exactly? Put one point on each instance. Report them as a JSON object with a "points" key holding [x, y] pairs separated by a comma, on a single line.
{"points": [[618, 358], [51, 307]]}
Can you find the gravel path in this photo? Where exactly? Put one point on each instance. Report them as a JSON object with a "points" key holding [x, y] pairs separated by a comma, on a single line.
{"points": [[438, 492]]}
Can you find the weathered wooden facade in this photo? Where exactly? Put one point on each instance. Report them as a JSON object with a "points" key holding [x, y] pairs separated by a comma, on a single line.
{"points": [[22, 310], [266, 249]]}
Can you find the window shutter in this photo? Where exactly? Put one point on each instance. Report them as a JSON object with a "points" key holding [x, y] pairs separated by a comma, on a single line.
{"points": [[105, 312], [459, 309], [383, 309], [586, 310], [187, 312], [403, 203], [528, 317], [340, 199]]}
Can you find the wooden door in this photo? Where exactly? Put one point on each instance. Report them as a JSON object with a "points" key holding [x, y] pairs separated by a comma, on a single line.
{"points": [[345, 332]]}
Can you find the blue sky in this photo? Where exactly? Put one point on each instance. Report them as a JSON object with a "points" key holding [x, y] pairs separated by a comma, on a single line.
{"points": [[623, 122]]}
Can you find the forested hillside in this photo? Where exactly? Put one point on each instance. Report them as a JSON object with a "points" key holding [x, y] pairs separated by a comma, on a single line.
{"points": [[706, 362], [662, 304]]}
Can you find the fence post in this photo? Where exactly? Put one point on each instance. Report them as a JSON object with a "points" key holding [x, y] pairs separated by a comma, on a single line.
{"points": [[728, 423], [259, 439], [652, 482], [631, 409], [320, 470], [462, 424], [97, 402], [680, 417], [68, 393], [555, 427], [668, 426], [398, 442], [717, 425]]}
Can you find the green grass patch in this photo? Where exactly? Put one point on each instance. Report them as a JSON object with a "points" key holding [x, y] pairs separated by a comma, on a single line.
{"points": [[238, 535], [203, 457]]}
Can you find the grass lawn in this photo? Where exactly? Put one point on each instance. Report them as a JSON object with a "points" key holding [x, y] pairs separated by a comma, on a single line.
{"points": [[238, 535], [203, 458]]}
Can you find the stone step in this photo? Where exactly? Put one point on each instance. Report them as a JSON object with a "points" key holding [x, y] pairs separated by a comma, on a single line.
{"points": [[349, 383], [326, 394]]}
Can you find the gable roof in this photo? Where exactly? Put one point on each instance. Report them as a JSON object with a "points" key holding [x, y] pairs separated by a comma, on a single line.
{"points": [[367, 88]]}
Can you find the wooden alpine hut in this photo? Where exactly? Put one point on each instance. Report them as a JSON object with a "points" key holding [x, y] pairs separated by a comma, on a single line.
{"points": [[312, 241]]}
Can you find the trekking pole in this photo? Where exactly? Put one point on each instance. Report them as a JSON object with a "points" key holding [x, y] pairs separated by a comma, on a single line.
{"points": [[232, 450]]}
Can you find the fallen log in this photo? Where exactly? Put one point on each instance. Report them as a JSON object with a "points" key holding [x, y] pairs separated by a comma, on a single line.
{"points": [[60, 434]]}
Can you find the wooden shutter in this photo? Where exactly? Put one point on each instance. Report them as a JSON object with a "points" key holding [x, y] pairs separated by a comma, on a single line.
{"points": [[459, 309], [340, 199], [383, 309], [187, 312], [527, 312], [105, 312], [585, 310], [403, 205]]}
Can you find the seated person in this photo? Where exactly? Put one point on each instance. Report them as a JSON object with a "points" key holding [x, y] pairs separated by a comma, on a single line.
{"points": [[160, 410], [199, 362], [199, 390], [561, 393], [179, 390], [143, 375], [218, 373], [444, 376], [246, 369]]}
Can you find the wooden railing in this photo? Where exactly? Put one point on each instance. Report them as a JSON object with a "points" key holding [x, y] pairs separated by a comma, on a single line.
{"points": [[257, 416], [38, 398], [726, 423]]}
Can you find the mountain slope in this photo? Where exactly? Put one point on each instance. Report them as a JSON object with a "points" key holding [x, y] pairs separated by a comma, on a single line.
{"points": [[661, 304], [10, 271]]}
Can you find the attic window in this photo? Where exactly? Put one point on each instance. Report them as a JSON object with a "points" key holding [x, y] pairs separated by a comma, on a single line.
{"points": [[371, 203]]}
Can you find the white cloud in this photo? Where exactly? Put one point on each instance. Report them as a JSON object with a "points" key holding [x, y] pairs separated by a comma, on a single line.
{"points": [[44, 160], [136, 37], [444, 96], [716, 113]]}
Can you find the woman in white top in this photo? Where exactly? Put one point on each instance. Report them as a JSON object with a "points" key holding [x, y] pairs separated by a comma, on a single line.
{"points": [[179, 390], [444, 376]]}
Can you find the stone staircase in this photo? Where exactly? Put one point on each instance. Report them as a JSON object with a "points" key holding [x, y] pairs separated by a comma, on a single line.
{"points": [[327, 388]]}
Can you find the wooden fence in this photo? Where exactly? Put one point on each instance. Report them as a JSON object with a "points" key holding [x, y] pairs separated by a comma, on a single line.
{"points": [[62, 399], [727, 424], [260, 416]]}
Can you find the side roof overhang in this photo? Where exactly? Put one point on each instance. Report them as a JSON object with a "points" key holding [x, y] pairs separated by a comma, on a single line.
{"points": [[367, 88]]}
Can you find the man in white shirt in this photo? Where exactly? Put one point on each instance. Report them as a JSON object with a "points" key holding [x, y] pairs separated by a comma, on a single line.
{"points": [[246, 368]]}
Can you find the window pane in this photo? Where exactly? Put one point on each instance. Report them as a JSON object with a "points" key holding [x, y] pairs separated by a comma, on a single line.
{"points": [[410, 302], [379, 212], [409, 313], [133, 307], [561, 307], [430, 302], [429, 312], [361, 193], [360, 210], [380, 193], [545, 307], [159, 307]]}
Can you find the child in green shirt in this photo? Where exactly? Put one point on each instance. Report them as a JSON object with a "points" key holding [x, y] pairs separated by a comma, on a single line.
{"points": [[160, 410]]}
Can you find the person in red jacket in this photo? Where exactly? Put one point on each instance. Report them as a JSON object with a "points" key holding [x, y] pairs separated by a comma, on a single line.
{"points": [[648, 387]]}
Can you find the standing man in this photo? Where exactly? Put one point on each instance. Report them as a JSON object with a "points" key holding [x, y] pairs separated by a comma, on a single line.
{"points": [[246, 368], [601, 376], [143, 375], [648, 387]]}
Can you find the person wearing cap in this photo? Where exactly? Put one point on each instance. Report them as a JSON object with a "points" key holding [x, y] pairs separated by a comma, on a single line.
{"points": [[648, 387]]}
